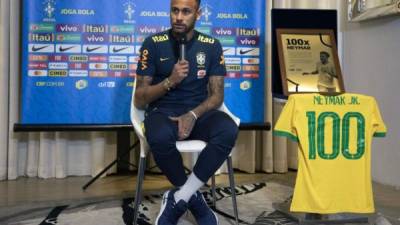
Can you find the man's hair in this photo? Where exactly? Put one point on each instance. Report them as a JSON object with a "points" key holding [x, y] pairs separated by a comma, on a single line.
{"points": [[198, 3], [325, 53]]}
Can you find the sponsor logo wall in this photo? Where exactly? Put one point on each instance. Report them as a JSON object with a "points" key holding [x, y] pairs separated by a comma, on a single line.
{"points": [[79, 62]]}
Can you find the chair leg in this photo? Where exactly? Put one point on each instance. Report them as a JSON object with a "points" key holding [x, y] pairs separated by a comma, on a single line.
{"points": [[214, 196], [139, 182], [232, 184]]}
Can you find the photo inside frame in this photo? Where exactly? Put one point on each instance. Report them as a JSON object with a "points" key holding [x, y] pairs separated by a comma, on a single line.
{"points": [[309, 62]]}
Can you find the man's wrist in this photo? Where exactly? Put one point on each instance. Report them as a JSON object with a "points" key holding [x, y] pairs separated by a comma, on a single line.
{"points": [[193, 114], [167, 84]]}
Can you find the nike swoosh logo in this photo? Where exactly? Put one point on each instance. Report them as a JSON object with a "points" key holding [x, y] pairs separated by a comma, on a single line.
{"points": [[227, 49], [247, 51], [119, 49], [35, 49], [92, 49], [65, 49], [163, 59]]}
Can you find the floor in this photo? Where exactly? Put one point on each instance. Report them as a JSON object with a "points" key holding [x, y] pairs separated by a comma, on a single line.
{"points": [[24, 193]]}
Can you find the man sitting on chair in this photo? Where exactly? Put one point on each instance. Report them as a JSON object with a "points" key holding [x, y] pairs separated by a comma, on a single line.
{"points": [[181, 98]]}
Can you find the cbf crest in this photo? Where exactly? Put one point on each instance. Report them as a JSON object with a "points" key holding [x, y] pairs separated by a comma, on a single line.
{"points": [[201, 59], [129, 11], [49, 10]]}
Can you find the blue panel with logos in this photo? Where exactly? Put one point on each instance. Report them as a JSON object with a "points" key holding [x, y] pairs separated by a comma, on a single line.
{"points": [[79, 57]]}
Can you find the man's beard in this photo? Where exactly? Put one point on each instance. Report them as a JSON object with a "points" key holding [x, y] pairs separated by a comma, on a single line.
{"points": [[186, 30]]}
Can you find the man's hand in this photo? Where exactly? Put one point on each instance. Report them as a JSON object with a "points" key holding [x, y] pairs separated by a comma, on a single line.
{"points": [[185, 124], [179, 72]]}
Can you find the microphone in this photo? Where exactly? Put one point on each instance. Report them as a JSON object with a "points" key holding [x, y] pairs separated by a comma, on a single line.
{"points": [[182, 47]]}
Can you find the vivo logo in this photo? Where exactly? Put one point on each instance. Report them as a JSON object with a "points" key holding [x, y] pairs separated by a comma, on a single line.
{"points": [[224, 31], [148, 30], [253, 41], [68, 28], [95, 38]]}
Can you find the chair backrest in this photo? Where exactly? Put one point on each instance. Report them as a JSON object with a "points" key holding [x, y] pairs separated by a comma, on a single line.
{"points": [[225, 109], [137, 118]]}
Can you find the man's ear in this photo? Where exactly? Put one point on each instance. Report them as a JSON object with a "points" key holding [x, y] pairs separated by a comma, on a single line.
{"points": [[198, 16]]}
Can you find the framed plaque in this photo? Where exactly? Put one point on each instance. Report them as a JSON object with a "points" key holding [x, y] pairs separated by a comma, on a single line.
{"points": [[309, 61]]}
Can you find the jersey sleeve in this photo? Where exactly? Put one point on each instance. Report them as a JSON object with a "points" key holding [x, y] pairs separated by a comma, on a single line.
{"points": [[379, 127], [218, 62], [146, 65], [285, 126]]}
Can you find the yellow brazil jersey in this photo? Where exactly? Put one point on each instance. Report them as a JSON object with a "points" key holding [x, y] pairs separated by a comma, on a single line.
{"points": [[334, 135]]}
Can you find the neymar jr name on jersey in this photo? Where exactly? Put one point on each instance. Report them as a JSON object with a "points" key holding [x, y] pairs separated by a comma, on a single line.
{"points": [[336, 100]]}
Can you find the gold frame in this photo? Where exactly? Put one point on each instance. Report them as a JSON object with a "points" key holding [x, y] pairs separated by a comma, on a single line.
{"points": [[305, 52]]}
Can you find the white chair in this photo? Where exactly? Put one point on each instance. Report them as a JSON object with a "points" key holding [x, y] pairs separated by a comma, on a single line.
{"points": [[194, 146]]}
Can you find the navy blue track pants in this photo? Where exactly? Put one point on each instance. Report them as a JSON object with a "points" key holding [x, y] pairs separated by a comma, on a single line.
{"points": [[214, 127]]}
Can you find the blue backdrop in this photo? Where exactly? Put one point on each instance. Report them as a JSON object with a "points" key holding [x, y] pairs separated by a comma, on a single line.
{"points": [[79, 57]]}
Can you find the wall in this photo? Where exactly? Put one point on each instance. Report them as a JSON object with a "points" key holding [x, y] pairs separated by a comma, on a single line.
{"points": [[371, 65], [4, 71]]}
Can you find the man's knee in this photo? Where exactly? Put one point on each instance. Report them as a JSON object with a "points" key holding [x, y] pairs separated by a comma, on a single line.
{"points": [[160, 139], [226, 135], [230, 133], [160, 134], [161, 144]]}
